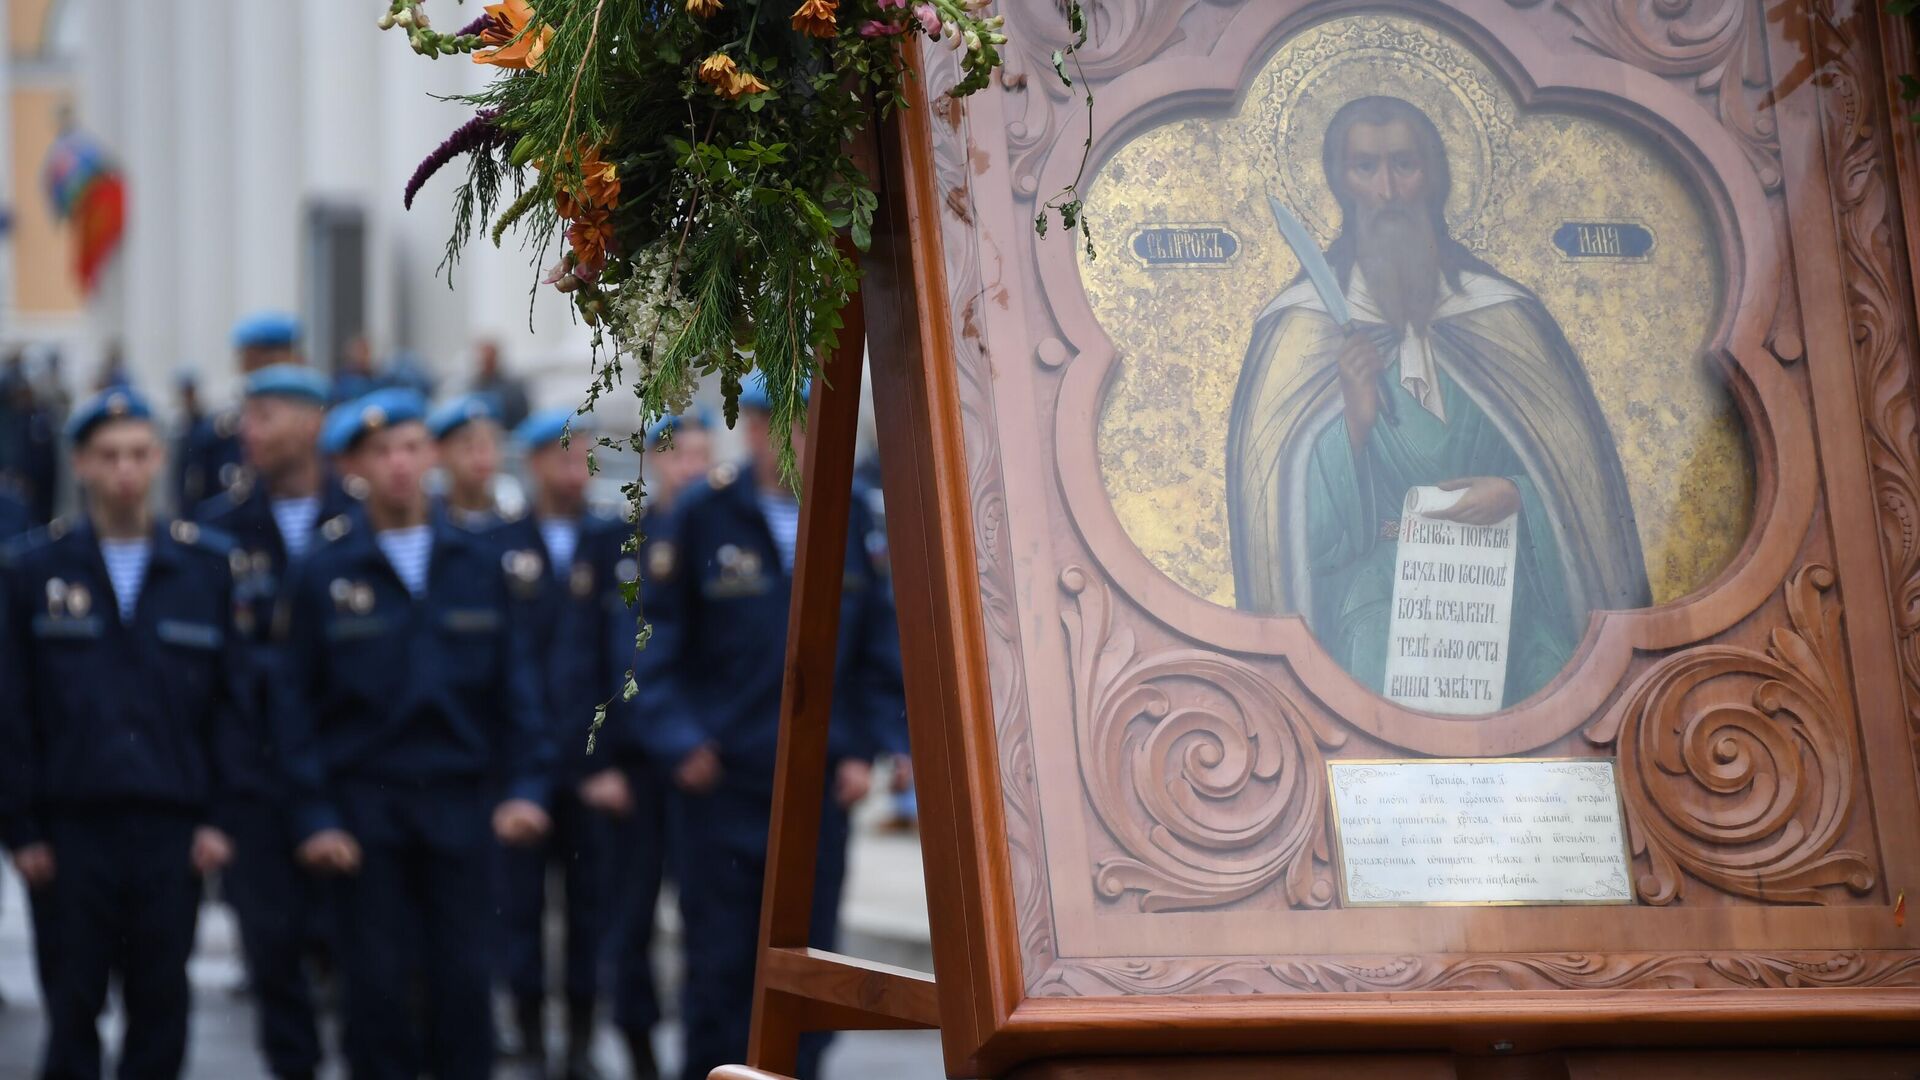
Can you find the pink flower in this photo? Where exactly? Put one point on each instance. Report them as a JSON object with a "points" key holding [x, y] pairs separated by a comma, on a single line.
{"points": [[558, 270], [883, 5], [875, 28], [929, 19]]}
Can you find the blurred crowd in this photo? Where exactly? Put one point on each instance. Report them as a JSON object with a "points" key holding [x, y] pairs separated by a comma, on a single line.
{"points": [[366, 664]]}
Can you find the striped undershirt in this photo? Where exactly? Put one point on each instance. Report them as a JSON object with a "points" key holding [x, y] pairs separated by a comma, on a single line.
{"points": [[408, 550]]}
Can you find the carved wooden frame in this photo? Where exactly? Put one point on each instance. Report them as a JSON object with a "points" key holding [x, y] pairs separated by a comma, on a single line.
{"points": [[1800, 622]]}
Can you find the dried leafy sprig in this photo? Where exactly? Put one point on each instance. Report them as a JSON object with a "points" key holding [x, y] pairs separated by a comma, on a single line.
{"points": [[1067, 202]]}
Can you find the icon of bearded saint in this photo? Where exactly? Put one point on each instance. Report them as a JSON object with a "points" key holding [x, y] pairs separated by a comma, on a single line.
{"points": [[1451, 375]]}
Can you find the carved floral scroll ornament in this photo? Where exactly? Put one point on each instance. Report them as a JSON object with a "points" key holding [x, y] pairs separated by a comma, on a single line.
{"points": [[1748, 794], [1209, 778]]}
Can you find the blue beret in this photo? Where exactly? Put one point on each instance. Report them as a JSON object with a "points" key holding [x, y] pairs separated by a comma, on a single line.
{"points": [[266, 330], [380, 409], [753, 392], [454, 413], [295, 381], [115, 404], [337, 430], [700, 417], [543, 427]]}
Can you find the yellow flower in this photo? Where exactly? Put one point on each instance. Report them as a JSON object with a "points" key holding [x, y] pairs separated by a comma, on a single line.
{"points": [[704, 9], [718, 71], [510, 43], [815, 17], [743, 85]]}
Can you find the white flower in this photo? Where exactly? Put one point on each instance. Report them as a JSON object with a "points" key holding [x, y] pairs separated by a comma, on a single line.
{"points": [[646, 312]]}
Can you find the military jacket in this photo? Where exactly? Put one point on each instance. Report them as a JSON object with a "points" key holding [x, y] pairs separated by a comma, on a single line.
{"points": [[260, 567], [576, 622], [386, 688], [716, 595], [98, 713]]}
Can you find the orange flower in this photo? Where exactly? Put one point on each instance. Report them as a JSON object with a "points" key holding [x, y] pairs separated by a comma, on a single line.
{"points": [[704, 9], [590, 234], [510, 44], [599, 180], [815, 17], [718, 71], [743, 85]]}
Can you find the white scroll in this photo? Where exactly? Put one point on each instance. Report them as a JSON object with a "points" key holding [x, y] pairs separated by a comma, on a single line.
{"points": [[1452, 609]]}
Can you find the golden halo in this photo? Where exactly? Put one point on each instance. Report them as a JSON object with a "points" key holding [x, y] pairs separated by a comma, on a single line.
{"points": [[1338, 62]]}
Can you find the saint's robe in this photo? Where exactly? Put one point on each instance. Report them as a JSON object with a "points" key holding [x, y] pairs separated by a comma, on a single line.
{"points": [[1492, 390]]}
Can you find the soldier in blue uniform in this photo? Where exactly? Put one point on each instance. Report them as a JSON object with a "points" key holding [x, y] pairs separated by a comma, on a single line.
{"points": [[412, 734], [466, 430], [211, 458], [677, 456], [274, 513], [708, 707], [117, 665], [563, 564]]}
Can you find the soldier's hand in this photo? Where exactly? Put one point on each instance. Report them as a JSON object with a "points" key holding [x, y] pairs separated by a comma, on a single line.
{"points": [[1488, 499], [698, 772], [211, 850], [35, 864], [1360, 366], [607, 792], [851, 781], [519, 823], [330, 851]]}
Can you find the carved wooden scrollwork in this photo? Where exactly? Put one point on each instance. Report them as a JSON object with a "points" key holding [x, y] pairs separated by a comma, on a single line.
{"points": [[1514, 971], [1207, 776], [1867, 230], [1748, 794], [1719, 44]]}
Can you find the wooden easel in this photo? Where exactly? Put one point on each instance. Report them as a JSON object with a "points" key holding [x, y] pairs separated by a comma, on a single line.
{"points": [[799, 988]]}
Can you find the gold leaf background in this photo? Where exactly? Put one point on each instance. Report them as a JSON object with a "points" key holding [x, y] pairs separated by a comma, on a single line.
{"points": [[1181, 333]]}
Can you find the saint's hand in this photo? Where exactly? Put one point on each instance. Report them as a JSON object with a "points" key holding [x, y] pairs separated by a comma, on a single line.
{"points": [[608, 792], [698, 772], [1360, 367], [330, 851], [1488, 499], [211, 850], [35, 863], [520, 823]]}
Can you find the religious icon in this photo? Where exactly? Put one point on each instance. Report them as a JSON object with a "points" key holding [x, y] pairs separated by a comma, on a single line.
{"points": [[1405, 362], [1415, 362]]}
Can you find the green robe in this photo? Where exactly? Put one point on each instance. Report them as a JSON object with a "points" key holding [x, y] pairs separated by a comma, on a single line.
{"points": [[1307, 516]]}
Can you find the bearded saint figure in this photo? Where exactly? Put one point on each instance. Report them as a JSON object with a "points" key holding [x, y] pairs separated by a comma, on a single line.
{"points": [[1452, 375]]}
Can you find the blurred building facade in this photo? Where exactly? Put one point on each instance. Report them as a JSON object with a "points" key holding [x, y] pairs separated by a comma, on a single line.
{"points": [[265, 147]]}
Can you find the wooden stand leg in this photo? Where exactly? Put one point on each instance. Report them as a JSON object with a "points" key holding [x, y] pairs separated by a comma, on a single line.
{"points": [[806, 701]]}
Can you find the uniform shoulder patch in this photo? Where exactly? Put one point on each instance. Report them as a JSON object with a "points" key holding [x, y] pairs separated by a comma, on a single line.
{"points": [[336, 527]]}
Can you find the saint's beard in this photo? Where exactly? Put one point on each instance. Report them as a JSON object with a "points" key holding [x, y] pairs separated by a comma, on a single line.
{"points": [[1399, 252]]}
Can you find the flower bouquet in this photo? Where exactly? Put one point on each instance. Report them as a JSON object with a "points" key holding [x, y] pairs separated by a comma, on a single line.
{"points": [[688, 160]]}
